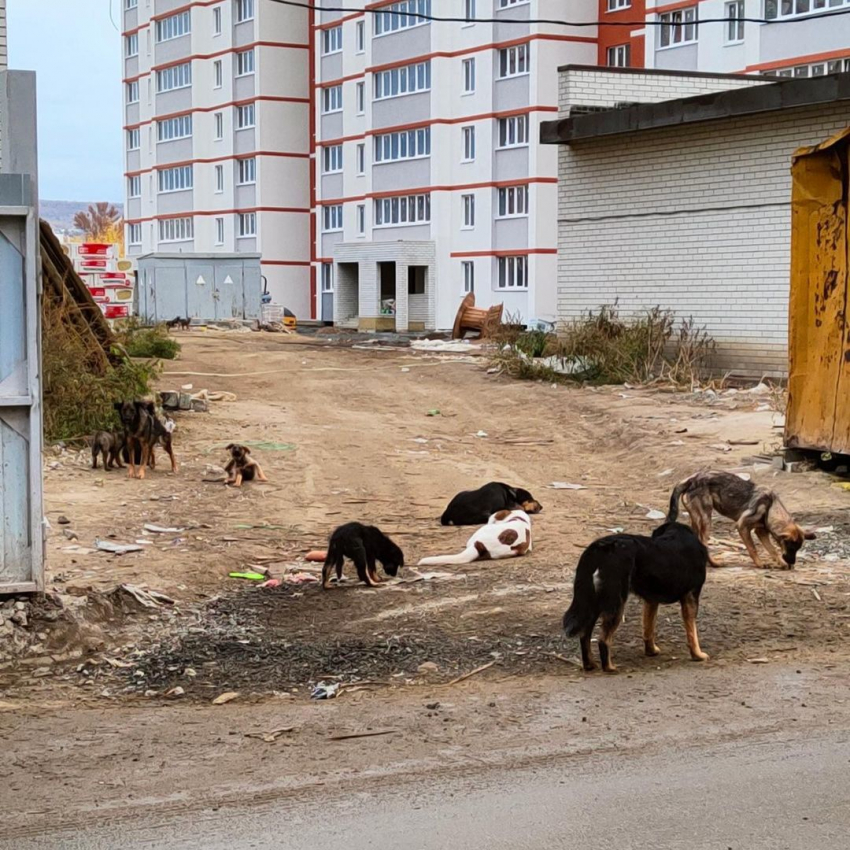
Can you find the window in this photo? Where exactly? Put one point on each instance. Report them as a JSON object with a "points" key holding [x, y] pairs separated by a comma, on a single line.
{"points": [[218, 76], [247, 171], [360, 36], [468, 202], [245, 63], [513, 272], [513, 201], [404, 80], [332, 40], [219, 231], [504, 4], [176, 229], [818, 69], [148, 41], [173, 26], [788, 8], [245, 116], [134, 234], [416, 280], [734, 29], [327, 277], [131, 45], [217, 26], [468, 144], [332, 217], [614, 5], [361, 219], [513, 131], [468, 76], [408, 13], [361, 98], [408, 209], [134, 186], [332, 99], [219, 125], [361, 159], [332, 159], [244, 10], [175, 179], [514, 61], [131, 4], [175, 77], [133, 92], [679, 27], [219, 179], [468, 276], [134, 139], [174, 128], [405, 144], [469, 11], [247, 224], [620, 56]]}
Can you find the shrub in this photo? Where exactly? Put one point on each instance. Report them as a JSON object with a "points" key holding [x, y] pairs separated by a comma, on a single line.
{"points": [[139, 341]]}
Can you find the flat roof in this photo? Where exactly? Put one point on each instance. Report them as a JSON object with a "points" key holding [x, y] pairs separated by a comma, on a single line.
{"points": [[734, 103], [658, 72]]}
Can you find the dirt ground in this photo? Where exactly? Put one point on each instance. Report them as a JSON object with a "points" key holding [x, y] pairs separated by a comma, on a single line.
{"points": [[345, 434]]}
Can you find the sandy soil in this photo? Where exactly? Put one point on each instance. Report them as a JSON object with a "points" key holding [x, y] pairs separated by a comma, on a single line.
{"points": [[355, 442]]}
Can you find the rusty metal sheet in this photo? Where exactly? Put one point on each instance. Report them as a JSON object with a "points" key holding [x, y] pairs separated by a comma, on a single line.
{"points": [[819, 375], [841, 428]]}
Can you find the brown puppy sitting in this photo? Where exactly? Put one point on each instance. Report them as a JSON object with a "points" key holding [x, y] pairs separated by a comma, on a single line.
{"points": [[751, 508], [242, 467]]}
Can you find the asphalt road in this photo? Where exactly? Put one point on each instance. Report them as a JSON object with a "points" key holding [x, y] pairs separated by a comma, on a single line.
{"points": [[771, 793]]}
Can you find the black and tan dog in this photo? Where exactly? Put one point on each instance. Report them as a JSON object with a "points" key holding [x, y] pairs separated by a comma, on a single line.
{"points": [[751, 508], [668, 567], [108, 444], [242, 467], [137, 419], [365, 545], [475, 507], [177, 321]]}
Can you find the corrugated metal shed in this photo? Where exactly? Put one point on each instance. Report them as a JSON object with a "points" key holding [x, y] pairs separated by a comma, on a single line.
{"points": [[818, 415]]}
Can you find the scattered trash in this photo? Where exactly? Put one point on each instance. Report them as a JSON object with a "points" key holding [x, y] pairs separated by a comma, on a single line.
{"points": [[842, 485], [159, 529], [443, 345], [300, 578], [248, 576], [665, 473], [473, 672], [370, 734], [174, 693], [405, 368], [744, 476], [145, 598], [225, 698], [617, 530], [494, 370], [572, 661], [272, 582], [427, 667], [564, 485], [270, 737], [248, 525], [70, 535], [481, 434], [743, 442], [434, 412], [758, 660], [117, 548], [654, 514], [316, 555], [681, 431], [826, 529], [323, 690], [721, 447], [816, 595]]}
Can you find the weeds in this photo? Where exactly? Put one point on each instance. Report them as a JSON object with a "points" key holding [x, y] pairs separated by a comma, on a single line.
{"points": [[140, 341]]}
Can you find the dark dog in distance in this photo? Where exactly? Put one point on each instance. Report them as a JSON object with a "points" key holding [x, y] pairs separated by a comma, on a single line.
{"points": [[668, 567], [475, 507], [137, 419], [177, 321], [751, 508], [365, 545], [109, 444], [242, 467]]}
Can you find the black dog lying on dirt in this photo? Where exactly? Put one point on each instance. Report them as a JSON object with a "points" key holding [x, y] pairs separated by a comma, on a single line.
{"points": [[668, 567], [109, 444], [364, 544], [475, 507]]}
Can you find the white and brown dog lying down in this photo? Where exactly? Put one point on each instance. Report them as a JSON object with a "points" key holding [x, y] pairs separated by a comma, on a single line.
{"points": [[506, 535]]}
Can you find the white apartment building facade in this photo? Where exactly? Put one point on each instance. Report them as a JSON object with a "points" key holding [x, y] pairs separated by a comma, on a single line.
{"points": [[216, 134], [430, 182], [801, 38]]}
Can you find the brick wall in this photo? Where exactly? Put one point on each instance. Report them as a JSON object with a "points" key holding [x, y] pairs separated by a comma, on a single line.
{"points": [[696, 219]]}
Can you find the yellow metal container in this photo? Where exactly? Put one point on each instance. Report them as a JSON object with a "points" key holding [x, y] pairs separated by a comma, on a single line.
{"points": [[818, 415]]}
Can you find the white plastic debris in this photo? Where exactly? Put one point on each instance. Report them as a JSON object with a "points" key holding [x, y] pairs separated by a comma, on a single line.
{"points": [[565, 485], [117, 548], [654, 514]]}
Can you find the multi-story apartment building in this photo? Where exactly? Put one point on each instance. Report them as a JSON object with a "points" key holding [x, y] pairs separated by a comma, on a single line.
{"points": [[799, 38], [216, 134], [431, 183], [621, 38], [4, 52]]}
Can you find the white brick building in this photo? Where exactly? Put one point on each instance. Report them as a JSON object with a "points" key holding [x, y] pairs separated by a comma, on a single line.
{"points": [[686, 203]]}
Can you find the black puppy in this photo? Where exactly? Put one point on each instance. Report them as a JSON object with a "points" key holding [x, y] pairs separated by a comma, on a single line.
{"points": [[137, 418], [475, 507], [665, 568], [364, 544], [108, 444]]}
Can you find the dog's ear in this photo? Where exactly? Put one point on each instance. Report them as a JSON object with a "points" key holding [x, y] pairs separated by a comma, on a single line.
{"points": [[229, 447], [150, 407], [246, 450], [809, 535], [118, 405]]}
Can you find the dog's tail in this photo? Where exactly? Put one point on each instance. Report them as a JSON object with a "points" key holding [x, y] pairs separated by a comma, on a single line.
{"points": [[583, 610], [468, 555], [675, 496]]}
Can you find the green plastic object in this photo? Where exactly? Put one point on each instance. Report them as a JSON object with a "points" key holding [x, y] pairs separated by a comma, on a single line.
{"points": [[248, 576], [434, 412]]}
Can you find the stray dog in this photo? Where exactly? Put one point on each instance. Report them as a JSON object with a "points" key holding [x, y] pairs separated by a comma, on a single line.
{"points": [[177, 321], [751, 508], [475, 507], [138, 419], [162, 436], [665, 568], [506, 535], [241, 467], [364, 544], [109, 444]]}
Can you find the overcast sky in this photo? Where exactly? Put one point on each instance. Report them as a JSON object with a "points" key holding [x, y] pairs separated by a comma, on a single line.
{"points": [[75, 50]]}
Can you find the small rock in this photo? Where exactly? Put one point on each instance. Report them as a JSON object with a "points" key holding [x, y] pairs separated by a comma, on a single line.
{"points": [[222, 699], [174, 693], [191, 673], [150, 693], [427, 667], [63, 520], [432, 706], [200, 405], [40, 661], [20, 606], [20, 618], [71, 535]]}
